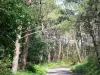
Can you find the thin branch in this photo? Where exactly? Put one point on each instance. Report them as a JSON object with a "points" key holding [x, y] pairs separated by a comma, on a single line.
{"points": [[28, 31], [27, 35], [10, 38]]}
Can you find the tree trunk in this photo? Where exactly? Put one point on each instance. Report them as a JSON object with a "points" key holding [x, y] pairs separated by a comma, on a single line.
{"points": [[68, 51], [55, 56], [95, 47], [59, 50], [25, 50], [17, 51], [77, 50], [49, 57], [94, 42]]}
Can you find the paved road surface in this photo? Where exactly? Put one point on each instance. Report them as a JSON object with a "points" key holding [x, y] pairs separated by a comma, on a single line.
{"points": [[60, 71]]}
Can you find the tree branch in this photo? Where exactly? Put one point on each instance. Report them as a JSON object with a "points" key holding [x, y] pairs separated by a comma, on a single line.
{"points": [[27, 35], [10, 38]]}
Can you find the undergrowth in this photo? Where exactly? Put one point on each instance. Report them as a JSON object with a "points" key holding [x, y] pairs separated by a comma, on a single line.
{"points": [[89, 66], [4, 69], [32, 69], [41, 68]]}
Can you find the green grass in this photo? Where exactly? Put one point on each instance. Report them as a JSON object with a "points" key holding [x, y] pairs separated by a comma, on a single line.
{"points": [[41, 68], [33, 70], [87, 67]]}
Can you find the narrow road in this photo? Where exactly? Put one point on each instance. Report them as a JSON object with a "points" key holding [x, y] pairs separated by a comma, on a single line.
{"points": [[60, 71]]}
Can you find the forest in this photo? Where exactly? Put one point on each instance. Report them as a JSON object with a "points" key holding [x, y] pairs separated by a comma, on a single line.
{"points": [[38, 35]]}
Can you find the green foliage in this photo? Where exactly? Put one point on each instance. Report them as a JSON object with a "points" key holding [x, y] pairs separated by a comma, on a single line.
{"points": [[30, 68], [41, 68], [34, 70], [54, 15], [80, 68], [37, 51], [88, 67], [13, 14], [4, 67], [25, 73]]}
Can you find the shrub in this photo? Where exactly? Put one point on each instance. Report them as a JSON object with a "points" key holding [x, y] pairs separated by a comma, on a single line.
{"points": [[89, 66], [40, 70], [30, 68], [4, 69]]}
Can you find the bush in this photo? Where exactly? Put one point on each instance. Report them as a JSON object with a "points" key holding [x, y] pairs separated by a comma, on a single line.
{"points": [[4, 69], [25, 73], [30, 68], [88, 67], [33, 70], [39, 69]]}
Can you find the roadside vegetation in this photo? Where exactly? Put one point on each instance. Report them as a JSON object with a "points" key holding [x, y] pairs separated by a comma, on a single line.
{"points": [[39, 34], [41, 69], [89, 66], [33, 69]]}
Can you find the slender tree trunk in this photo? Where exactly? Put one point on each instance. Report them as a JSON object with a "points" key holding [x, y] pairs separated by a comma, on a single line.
{"points": [[54, 51], [77, 50], [49, 57], [94, 41], [68, 51], [55, 57], [63, 52], [25, 50], [95, 47], [48, 53], [59, 50], [16, 56], [17, 51]]}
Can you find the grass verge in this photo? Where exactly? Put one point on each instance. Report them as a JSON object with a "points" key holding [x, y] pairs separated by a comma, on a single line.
{"points": [[89, 66], [41, 68]]}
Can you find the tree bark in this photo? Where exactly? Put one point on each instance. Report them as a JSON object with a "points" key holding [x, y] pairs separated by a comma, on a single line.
{"points": [[95, 47], [94, 41], [25, 50], [59, 50], [49, 57], [17, 51], [77, 50], [68, 51]]}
